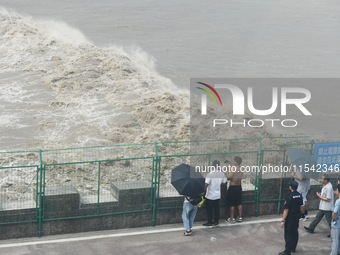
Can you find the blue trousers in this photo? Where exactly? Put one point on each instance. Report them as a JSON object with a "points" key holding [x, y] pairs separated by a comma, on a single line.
{"points": [[335, 235], [188, 215]]}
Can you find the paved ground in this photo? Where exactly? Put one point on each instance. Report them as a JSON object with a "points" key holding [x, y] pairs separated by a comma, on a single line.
{"points": [[258, 235]]}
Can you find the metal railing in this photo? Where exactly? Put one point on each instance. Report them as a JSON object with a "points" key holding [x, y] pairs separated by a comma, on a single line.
{"points": [[33, 182]]}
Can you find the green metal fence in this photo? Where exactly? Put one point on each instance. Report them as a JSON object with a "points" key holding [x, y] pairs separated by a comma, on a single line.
{"points": [[92, 172], [19, 181], [175, 153], [273, 153], [33, 181]]}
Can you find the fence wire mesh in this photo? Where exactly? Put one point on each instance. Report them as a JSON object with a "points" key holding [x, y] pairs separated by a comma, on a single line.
{"points": [[18, 184], [88, 154], [99, 180]]}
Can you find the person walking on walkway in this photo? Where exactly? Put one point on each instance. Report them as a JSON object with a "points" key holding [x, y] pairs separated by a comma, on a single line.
{"points": [[290, 218], [326, 204]]}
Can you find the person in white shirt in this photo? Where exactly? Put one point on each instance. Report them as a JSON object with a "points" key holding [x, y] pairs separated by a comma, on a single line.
{"points": [[303, 188], [213, 182], [326, 205]]}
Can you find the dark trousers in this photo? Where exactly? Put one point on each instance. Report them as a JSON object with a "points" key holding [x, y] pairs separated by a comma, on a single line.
{"points": [[318, 218], [291, 232], [213, 210]]}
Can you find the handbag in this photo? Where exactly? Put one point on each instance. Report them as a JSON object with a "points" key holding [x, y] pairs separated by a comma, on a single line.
{"points": [[195, 201], [201, 204]]}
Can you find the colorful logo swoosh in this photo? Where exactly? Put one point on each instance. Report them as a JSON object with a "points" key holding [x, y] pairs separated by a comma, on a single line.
{"points": [[210, 92]]}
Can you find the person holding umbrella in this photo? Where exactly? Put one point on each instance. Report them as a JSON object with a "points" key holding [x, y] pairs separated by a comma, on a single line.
{"points": [[190, 184], [303, 188], [303, 164], [213, 183], [189, 213]]}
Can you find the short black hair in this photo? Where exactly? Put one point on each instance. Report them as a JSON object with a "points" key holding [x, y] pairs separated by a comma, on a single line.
{"points": [[216, 163], [238, 160], [327, 178]]}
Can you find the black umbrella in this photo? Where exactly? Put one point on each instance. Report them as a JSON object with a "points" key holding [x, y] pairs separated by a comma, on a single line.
{"points": [[186, 181], [303, 162]]}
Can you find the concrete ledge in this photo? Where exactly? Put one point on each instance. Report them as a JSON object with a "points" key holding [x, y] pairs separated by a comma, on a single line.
{"points": [[61, 198], [17, 205], [90, 201], [62, 202], [134, 195]]}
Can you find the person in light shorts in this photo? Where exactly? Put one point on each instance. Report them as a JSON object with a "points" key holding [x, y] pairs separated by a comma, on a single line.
{"points": [[303, 188]]}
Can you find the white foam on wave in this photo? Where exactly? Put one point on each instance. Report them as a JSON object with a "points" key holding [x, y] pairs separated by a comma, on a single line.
{"points": [[8, 120], [77, 94], [63, 32], [72, 93]]}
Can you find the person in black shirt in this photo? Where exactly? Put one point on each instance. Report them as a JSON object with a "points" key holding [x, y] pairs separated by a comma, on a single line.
{"points": [[290, 218]]}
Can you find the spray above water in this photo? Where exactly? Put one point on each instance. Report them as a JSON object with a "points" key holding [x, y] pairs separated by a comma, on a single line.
{"points": [[66, 92], [60, 90]]}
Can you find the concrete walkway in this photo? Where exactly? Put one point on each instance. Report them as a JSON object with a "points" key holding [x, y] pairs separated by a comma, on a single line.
{"points": [[258, 235]]}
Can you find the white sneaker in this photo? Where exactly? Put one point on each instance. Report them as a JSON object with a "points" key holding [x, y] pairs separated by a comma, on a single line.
{"points": [[303, 219], [231, 220]]}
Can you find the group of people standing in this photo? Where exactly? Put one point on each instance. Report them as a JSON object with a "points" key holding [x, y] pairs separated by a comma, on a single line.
{"points": [[295, 206], [295, 210], [213, 182]]}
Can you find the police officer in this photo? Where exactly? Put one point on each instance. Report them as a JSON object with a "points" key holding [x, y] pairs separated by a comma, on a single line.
{"points": [[290, 218]]}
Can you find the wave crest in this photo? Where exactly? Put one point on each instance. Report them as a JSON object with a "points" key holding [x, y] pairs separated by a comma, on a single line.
{"points": [[77, 94]]}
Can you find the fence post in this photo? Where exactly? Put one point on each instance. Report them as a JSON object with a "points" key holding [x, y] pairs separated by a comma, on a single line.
{"points": [[155, 186], [98, 193], [312, 142], [39, 193], [258, 177], [284, 162]]}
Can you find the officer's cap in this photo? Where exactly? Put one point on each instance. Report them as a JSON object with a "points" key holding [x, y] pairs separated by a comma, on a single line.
{"points": [[293, 184]]}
